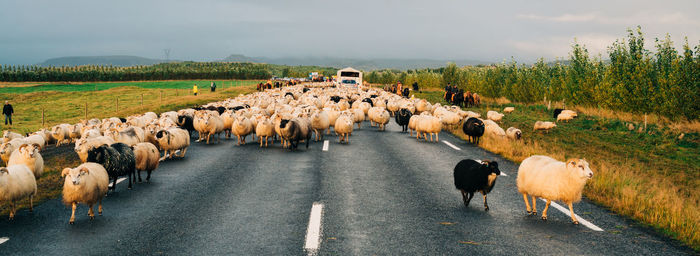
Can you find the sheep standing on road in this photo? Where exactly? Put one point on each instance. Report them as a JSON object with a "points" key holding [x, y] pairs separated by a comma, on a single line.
{"points": [[265, 130], [241, 127], [473, 175], [147, 158], [7, 148], [545, 177], [403, 116], [319, 123], [88, 184], [17, 182], [343, 127], [28, 154], [295, 130], [172, 140], [474, 129], [82, 146], [7, 136], [118, 159]]}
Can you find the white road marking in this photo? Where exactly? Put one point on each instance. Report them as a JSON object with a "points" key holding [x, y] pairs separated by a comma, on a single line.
{"points": [[580, 220], [4, 239], [313, 232], [118, 181], [450, 144], [325, 145], [504, 174]]}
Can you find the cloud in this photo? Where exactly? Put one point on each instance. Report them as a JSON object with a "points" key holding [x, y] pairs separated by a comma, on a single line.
{"points": [[641, 18], [560, 46]]}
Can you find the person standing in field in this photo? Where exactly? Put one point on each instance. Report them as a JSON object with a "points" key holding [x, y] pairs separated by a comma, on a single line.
{"points": [[195, 90], [399, 88], [213, 86], [8, 111]]}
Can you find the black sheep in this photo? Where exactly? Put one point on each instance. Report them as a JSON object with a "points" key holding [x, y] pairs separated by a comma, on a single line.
{"points": [[290, 94], [373, 96], [221, 110], [118, 159], [472, 176], [335, 99], [368, 100], [186, 122], [402, 117], [294, 132], [305, 90], [557, 111], [122, 119], [474, 128]]}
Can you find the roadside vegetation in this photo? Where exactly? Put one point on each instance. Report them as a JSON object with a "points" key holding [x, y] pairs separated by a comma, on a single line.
{"points": [[665, 82], [651, 175], [69, 107]]}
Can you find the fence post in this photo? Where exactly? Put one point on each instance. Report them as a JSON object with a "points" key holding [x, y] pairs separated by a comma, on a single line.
{"points": [[161, 97], [42, 117], [86, 111], [645, 121], [117, 103], [142, 99]]}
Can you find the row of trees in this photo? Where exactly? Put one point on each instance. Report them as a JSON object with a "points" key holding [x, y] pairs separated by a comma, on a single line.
{"points": [[163, 71], [633, 79]]}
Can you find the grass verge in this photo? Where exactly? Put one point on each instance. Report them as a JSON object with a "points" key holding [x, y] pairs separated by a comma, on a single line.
{"points": [[652, 176]]}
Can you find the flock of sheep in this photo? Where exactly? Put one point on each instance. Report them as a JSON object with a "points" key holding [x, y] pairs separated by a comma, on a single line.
{"points": [[115, 147]]}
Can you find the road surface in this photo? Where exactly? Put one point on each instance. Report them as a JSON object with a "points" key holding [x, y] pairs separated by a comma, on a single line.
{"points": [[383, 194]]}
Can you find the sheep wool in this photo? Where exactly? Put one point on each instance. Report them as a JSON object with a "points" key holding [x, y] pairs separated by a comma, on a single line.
{"points": [[17, 182], [87, 184], [147, 158], [545, 177], [28, 155]]}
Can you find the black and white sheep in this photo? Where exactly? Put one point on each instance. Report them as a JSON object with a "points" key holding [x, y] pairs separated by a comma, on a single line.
{"points": [[474, 175], [118, 159], [295, 130]]}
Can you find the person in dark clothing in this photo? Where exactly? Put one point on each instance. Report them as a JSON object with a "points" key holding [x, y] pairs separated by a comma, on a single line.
{"points": [[415, 86], [8, 111], [448, 92], [213, 86]]}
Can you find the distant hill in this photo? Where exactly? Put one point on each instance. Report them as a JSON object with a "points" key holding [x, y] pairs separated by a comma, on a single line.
{"points": [[116, 60], [363, 64]]}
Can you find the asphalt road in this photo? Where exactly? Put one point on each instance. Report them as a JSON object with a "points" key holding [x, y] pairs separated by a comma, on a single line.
{"points": [[383, 194]]}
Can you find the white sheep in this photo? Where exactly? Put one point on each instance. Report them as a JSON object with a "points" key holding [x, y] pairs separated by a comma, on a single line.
{"points": [[495, 116], [35, 139], [343, 127], [508, 110], [172, 140], [241, 127], [7, 136], [493, 129], [565, 116], [264, 129], [126, 136], [545, 177], [17, 182], [28, 154], [514, 133], [546, 126], [88, 184], [147, 158], [319, 123], [214, 125], [7, 148], [428, 125], [61, 133]]}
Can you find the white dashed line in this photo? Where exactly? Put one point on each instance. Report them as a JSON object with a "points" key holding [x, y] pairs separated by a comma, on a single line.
{"points": [[118, 181], [450, 144], [325, 145], [313, 232], [580, 220], [504, 174], [4, 239]]}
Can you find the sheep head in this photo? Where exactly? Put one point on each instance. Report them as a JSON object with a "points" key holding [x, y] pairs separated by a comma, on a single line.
{"points": [[492, 166], [4, 170], [75, 174], [283, 123], [579, 167]]}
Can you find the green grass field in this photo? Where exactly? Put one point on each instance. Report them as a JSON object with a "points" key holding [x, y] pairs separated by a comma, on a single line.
{"points": [[98, 86], [652, 176]]}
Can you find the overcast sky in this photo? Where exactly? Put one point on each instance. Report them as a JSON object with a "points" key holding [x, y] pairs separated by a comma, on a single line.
{"points": [[32, 31]]}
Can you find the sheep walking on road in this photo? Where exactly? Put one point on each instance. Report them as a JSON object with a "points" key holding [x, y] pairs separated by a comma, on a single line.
{"points": [[88, 184], [17, 182], [545, 177], [118, 159], [147, 158], [475, 176]]}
